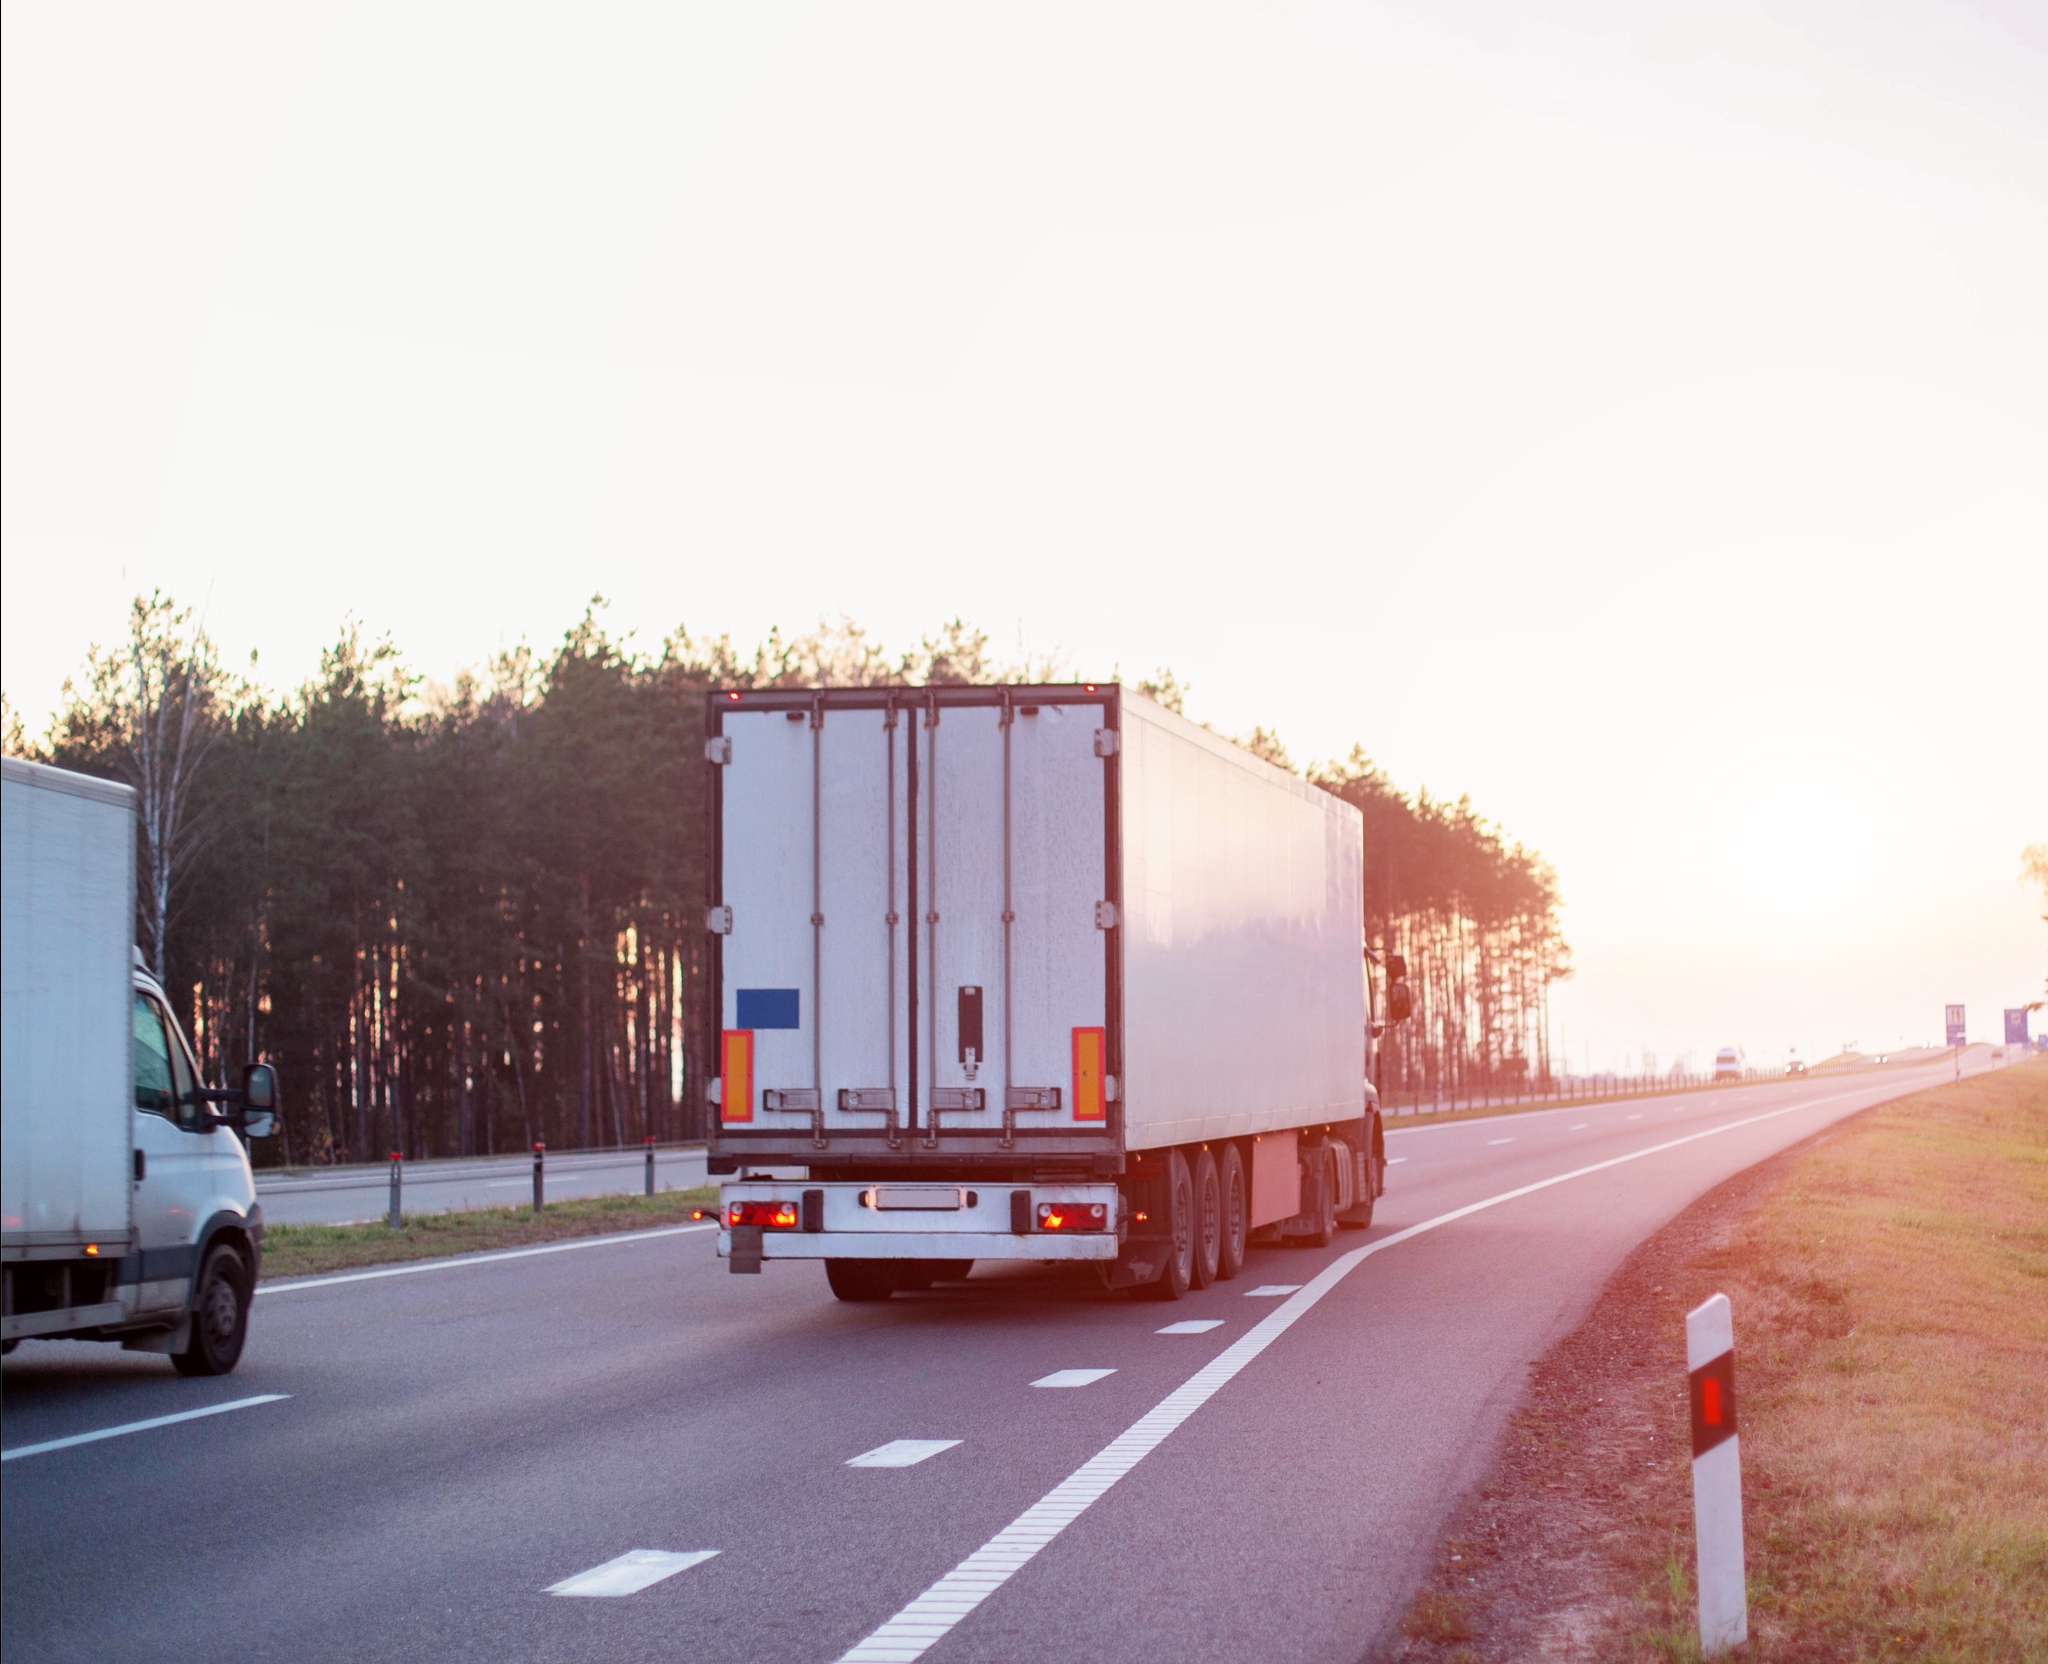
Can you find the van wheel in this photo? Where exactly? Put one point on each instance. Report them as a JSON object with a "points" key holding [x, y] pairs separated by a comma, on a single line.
{"points": [[1236, 1211], [220, 1317], [861, 1280], [1179, 1274], [1208, 1193]]}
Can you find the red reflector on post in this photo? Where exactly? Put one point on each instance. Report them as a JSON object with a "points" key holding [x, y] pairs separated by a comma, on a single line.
{"points": [[773, 1216], [1073, 1216]]}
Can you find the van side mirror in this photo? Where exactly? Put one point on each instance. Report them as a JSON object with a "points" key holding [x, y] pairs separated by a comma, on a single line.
{"points": [[259, 1090], [259, 1124]]}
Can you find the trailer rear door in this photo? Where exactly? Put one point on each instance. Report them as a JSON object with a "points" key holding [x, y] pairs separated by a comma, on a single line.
{"points": [[914, 886]]}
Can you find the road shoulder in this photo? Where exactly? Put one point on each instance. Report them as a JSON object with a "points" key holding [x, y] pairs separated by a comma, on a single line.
{"points": [[1887, 1279]]}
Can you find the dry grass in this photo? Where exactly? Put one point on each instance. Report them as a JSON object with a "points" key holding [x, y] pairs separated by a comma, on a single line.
{"points": [[1891, 1307], [296, 1250]]}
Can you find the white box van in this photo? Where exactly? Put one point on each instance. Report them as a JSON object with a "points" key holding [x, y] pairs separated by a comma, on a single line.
{"points": [[129, 1208], [1042, 973]]}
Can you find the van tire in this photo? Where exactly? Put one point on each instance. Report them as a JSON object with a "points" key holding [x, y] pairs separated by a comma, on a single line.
{"points": [[220, 1316], [1234, 1195], [1208, 1220], [862, 1281]]}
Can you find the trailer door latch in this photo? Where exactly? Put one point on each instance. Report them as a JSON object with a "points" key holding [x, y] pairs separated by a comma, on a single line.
{"points": [[718, 920], [1107, 742], [718, 749], [1105, 915]]}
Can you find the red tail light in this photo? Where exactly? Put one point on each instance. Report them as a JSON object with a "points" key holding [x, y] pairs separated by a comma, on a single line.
{"points": [[1073, 1216], [775, 1216]]}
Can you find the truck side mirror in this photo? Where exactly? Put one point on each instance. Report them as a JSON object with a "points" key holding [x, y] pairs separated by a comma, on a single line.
{"points": [[1397, 967], [259, 1090], [1400, 1003]]}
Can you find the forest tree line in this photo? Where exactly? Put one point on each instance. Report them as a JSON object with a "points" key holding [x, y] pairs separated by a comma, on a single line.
{"points": [[463, 919]]}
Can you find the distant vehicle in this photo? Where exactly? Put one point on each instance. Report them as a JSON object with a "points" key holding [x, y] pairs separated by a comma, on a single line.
{"points": [[1728, 1064], [1795, 1067], [1030, 973], [130, 1210]]}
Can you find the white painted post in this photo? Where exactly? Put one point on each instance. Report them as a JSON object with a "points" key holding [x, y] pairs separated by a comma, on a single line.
{"points": [[1716, 1476]]}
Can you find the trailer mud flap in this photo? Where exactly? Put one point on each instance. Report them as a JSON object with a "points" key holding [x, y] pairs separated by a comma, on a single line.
{"points": [[746, 1249]]}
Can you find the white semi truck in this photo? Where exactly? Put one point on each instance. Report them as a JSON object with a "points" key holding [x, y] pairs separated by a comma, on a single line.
{"points": [[1028, 973], [130, 1210]]}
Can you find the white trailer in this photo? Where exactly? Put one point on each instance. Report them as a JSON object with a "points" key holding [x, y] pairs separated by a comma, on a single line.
{"points": [[129, 1209], [1039, 973]]}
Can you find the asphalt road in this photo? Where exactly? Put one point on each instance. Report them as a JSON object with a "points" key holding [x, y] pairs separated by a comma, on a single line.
{"points": [[350, 1195], [454, 1441]]}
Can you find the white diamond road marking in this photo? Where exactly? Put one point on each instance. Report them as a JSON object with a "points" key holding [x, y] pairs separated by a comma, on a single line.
{"points": [[928, 1619], [1500, 1141], [636, 1569], [1267, 1290], [1193, 1326], [901, 1453], [1071, 1377]]}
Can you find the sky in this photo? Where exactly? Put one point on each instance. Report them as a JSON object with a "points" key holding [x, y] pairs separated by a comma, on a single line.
{"points": [[1630, 417]]}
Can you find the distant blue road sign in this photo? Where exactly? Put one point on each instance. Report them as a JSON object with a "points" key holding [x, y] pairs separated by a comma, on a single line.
{"points": [[1955, 1026], [2016, 1025]]}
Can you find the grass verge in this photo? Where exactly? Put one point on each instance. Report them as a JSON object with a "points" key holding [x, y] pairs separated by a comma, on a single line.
{"points": [[1890, 1285], [298, 1250]]}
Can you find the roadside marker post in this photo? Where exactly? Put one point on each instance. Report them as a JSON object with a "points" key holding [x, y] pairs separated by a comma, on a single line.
{"points": [[540, 1156], [650, 1167], [397, 1189], [1716, 1476]]}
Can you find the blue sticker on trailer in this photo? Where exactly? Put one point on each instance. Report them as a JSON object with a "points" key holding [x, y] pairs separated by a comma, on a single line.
{"points": [[768, 1008]]}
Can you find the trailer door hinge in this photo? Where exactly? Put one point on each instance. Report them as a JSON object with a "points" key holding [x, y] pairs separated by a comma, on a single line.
{"points": [[718, 920], [1105, 915], [718, 749], [1107, 742]]}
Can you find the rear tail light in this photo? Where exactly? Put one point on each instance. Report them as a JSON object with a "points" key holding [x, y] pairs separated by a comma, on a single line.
{"points": [[774, 1216], [1073, 1216]]}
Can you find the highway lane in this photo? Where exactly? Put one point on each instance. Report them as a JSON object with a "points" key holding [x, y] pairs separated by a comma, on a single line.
{"points": [[456, 1441], [355, 1194]]}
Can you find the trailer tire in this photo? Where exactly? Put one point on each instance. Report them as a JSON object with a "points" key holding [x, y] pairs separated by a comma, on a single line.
{"points": [[862, 1280], [1236, 1214], [1175, 1280], [220, 1316], [1208, 1219]]}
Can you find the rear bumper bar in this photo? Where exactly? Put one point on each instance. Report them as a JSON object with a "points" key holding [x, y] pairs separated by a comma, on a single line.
{"points": [[851, 1220]]}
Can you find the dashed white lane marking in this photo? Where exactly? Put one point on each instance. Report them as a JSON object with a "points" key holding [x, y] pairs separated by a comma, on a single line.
{"points": [[901, 1453], [931, 1616], [1581, 1127], [1500, 1141], [1072, 1377], [636, 1569], [1192, 1326], [1635, 1117], [140, 1426], [1266, 1289], [1395, 1161], [462, 1261]]}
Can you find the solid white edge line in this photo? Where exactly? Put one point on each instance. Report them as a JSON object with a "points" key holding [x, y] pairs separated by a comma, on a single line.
{"points": [[140, 1426], [458, 1261], [928, 1618]]}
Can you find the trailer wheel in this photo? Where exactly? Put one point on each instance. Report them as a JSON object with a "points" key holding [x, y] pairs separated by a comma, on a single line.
{"points": [[1236, 1214], [1179, 1274], [1208, 1236], [862, 1280], [220, 1316]]}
